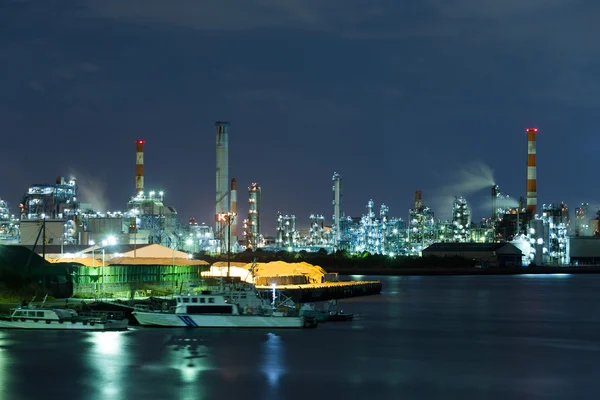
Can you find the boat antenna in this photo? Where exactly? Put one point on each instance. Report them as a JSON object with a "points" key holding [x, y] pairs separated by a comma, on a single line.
{"points": [[44, 302], [31, 301]]}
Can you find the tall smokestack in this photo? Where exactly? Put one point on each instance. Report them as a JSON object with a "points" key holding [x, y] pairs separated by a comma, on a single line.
{"points": [[233, 195], [531, 172], [222, 198], [139, 166]]}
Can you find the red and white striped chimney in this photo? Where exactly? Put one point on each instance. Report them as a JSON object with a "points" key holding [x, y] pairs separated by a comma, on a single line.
{"points": [[139, 166], [531, 172]]}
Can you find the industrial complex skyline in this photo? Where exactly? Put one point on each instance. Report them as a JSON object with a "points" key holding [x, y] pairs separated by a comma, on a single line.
{"points": [[392, 111]]}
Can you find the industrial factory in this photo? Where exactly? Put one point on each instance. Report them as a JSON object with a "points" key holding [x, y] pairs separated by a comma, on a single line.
{"points": [[52, 214]]}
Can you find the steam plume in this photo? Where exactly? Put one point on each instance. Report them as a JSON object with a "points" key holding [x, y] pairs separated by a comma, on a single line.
{"points": [[462, 182], [91, 190]]}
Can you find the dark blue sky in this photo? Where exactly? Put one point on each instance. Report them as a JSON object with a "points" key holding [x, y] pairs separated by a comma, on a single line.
{"points": [[393, 95]]}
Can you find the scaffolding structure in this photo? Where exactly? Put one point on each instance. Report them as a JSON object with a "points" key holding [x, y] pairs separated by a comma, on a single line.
{"points": [[318, 234], [582, 227], [461, 220], [50, 201], [9, 226], [252, 224], [377, 234], [555, 239], [287, 235], [149, 216], [422, 226]]}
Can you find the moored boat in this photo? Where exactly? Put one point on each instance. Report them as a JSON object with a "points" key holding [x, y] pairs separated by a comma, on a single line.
{"points": [[232, 308], [329, 313], [31, 317]]}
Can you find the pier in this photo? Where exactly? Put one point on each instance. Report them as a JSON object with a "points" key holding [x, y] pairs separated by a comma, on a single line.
{"points": [[308, 293]]}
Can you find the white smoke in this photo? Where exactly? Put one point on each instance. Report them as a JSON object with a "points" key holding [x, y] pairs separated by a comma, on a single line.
{"points": [[464, 181], [91, 190], [501, 202]]}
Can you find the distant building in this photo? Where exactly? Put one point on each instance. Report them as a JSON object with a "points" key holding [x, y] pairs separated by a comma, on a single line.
{"points": [[485, 254], [584, 250]]}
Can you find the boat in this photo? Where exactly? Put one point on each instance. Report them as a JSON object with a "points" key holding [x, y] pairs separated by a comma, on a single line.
{"points": [[329, 313], [32, 317], [335, 314], [232, 307]]}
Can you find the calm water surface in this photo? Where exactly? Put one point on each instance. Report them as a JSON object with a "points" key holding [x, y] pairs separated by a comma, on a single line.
{"points": [[521, 337]]}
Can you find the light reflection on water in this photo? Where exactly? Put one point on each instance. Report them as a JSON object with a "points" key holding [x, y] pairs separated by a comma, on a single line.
{"points": [[273, 359], [3, 363], [545, 276], [110, 355], [191, 357], [428, 338]]}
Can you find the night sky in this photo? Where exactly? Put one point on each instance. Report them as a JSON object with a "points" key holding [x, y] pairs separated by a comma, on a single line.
{"points": [[393, 95]]}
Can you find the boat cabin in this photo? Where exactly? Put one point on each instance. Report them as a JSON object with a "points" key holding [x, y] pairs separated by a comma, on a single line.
{"points": [[44, 314], [205, 303]]}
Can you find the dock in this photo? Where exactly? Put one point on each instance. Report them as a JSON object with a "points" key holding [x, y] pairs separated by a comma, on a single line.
{"points": [[309, 293]]}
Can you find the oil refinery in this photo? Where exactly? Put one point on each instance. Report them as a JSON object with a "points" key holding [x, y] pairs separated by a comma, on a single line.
{"points": [[53, 214]]}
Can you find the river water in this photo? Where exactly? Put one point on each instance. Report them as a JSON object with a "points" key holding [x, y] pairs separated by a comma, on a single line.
{"points": [[492, 337]]}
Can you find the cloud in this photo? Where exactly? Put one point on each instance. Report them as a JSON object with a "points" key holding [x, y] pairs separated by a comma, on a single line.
{"points": [[214, 15], [344, 16]]}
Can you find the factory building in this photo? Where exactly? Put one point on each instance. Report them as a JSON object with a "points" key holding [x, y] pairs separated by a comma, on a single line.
{"points": [[198, 237], [484, 254], [51, 214], [148, 219], [377, 234], [9, 225], [584, 250], [128, 270], [57, 205], [582, 226]]}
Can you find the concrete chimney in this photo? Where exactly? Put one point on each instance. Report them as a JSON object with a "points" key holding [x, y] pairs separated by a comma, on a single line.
{"points": [[233, 195], [222, 195]]}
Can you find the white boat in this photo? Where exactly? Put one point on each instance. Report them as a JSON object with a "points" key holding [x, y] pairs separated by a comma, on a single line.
{"points": [[234, 308], [31, 317]]}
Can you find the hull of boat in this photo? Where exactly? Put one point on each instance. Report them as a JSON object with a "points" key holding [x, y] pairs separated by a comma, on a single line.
{"points": [[217, 321], [110, 325]]}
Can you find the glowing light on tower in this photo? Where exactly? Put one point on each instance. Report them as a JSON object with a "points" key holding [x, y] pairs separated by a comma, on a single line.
{"points": [[139, 166], [531, 172]]}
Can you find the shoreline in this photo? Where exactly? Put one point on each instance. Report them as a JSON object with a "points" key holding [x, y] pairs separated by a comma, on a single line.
{"points": [[467, 271]]}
